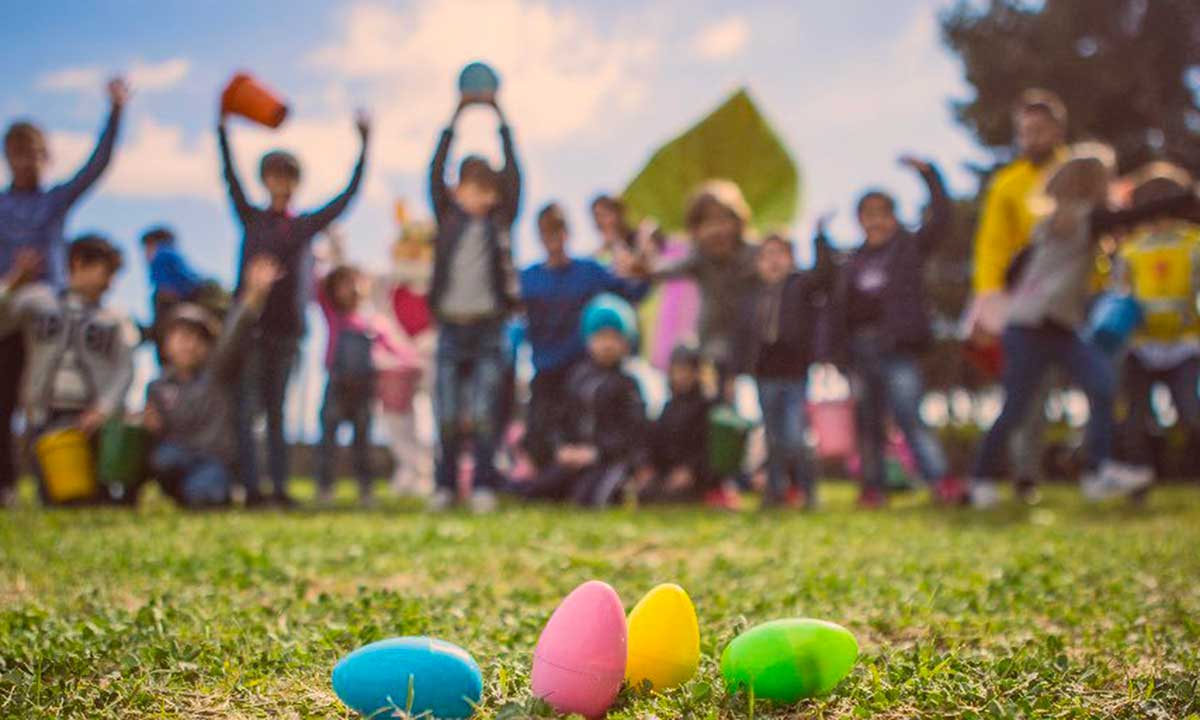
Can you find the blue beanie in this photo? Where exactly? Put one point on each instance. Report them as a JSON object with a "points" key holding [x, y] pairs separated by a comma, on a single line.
{"points": [[610, 312]]}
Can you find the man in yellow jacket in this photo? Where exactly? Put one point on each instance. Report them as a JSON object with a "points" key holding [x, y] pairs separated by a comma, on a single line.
{"points": [[1005, 226]]}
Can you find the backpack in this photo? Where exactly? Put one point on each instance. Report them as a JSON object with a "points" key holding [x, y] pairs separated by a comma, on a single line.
{"points": [[352, 368]]}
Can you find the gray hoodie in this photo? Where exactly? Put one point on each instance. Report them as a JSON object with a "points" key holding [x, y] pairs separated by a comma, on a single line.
{"points": [[79, 355]]}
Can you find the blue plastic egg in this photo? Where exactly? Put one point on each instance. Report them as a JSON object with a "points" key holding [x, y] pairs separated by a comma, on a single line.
{"points": [[376, 679], [478, 79]]}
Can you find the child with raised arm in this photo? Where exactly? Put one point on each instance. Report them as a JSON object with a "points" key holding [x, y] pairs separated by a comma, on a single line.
{"points": [[474, 287], [1047, 309], [80, 354], [33, 217], [277, 231], [190, 407], [879, 327]]}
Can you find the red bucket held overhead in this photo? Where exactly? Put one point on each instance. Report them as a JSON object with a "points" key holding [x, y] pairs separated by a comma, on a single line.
{"points": [[247, 97]]}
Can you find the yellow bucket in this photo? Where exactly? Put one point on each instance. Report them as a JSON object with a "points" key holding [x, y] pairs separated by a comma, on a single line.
{"points": [[68, 466]]}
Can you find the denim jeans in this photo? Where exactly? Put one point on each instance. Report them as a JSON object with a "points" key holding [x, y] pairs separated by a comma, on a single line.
{"points": [[191, 478], [470, 366], [262, 388], [785, 421], [352, 405], [1028, 354], [1181, 380], [889, 382]]}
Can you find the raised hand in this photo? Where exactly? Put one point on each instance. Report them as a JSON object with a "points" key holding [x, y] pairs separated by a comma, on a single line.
{"points": [[362, 122], [262, 273], [824, 219], [118, 91], [911, 161], [26, 266]]}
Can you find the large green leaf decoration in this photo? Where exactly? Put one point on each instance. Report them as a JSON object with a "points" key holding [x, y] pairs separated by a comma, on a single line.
{"points": [[734, 142]]}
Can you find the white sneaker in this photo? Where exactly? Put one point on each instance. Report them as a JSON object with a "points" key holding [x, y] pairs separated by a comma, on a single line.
{"points": [[484, 501], [984, 494], [441, 500], [1114, 480]]}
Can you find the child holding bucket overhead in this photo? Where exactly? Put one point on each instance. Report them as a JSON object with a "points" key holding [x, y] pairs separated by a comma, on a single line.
{"points": [[278, 231], [474, 287], [189, 408], [79, 360], [1047, 309]]}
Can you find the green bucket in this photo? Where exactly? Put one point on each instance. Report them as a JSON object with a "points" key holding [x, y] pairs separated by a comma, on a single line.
{"points": [[123, 454], [727, 436]]}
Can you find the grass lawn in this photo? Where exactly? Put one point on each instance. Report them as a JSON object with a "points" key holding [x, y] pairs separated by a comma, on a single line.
{"points": [[1064, 611]]}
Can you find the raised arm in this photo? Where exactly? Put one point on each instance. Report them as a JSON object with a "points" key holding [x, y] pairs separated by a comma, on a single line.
{"points": [[319, 219], [940, 211], [1184, 205], [510, 174], [262, 273], [439, 194], [70, 191], [236, 194]]}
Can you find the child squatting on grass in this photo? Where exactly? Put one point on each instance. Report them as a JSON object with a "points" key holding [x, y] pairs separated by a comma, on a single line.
{"points": [[190, 407], [604, 438], [79, 353]]}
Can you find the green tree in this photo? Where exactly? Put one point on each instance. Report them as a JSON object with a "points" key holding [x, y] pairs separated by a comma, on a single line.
{"points": [[1128, 70]]}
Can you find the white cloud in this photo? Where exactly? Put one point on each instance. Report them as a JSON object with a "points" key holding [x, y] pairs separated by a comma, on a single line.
{"points": [[559, 73], [142, 76], [721, 39]]}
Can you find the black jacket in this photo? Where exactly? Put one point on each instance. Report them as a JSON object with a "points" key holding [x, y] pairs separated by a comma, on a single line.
{"points": [[288, 239], [605, 409], [905, 321], [804, 298], [451, 221], [680, 435]]}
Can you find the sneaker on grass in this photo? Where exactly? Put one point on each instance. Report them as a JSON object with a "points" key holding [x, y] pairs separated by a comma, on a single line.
{"points": [[984, 494], [441, 500], [484, 501], [1115, 480]]}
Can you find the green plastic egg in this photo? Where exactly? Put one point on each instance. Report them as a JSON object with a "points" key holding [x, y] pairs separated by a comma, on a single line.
{"points": [[787, 660]]}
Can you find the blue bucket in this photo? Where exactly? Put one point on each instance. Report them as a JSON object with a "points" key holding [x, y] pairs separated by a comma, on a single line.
{"points": [[1113, 321]]}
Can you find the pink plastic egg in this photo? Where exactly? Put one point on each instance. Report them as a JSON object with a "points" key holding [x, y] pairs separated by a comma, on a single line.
{"points": [[579, 661]]}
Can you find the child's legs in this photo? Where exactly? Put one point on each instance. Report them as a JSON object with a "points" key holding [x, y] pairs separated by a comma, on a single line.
{"points": [[486, 376], [361, 419], [782, 403], [870, 410], [1137, 382], [192, 479], [245, 409], [331, 420], [278, 359], [1091, 369], [447, 393], [553, 483], [597, 485], [1026, 357], [905, 389]]}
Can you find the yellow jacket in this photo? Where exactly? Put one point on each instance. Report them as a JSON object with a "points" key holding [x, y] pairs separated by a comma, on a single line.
{"points": [[1006, 222], [1161, 268]]}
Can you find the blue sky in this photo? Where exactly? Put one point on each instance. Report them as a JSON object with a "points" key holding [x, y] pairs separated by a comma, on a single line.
{"points": [[591, 89]]}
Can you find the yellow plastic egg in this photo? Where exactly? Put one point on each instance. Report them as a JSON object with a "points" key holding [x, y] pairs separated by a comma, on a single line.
{"points": [[664, 639]]}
